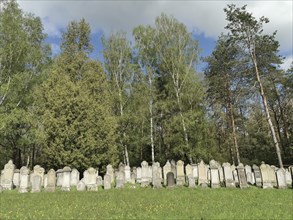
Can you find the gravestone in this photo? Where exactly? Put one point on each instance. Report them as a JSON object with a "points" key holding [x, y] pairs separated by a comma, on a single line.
{"points": [[127, 173], [221, 173], [7, 178], [188, 171], [215, 179], [252, 179], [242, 176], [272, 175], [173, 168], [99, 181], [132, 178], [166, 169], [157, 180], [281, 179], [236, 178], [36, 183], [1, 178], [66, 179], [24, 180], [16, 177], [144, 174], [107, 181], [202, 174], [150, 174], [59, 174], [170, 179], [248, 173], [228, 176], [121, 167], [138, 174], [191, 181], [156, 168], [195, 172], [39, 171], [180, 179], [266, 182], [120, 180], [51, 176], [110, 172], [257, 175], [90, 179], [45, 181], [74, 177], [80, 186], [288, 177]]}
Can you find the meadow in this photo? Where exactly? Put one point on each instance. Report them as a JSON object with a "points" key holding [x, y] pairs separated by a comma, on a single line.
{"points": [[148, 203]]}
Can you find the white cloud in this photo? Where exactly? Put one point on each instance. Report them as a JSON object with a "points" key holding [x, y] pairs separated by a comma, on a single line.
{"points": [[205, 17], [287, 62]]}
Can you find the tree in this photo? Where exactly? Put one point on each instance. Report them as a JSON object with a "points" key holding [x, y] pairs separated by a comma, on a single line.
{"points": [[246, 31]]}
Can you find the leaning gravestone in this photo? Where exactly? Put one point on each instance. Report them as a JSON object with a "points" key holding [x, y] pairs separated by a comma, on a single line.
{"points": [[215, 180], [110, 172], [202, 174], [107, 182], [228, 176], [166, 169], [24, 180], [16, 178], [266, 182], [248, 173], [180, 180], [51, 181], [257, 175], [74, 177], [120, 180], [242, 177], [36, 183], [170, 179], [281, 179], [90, 179], [144, 174], [59, 174], [7, 178], [80, 186], [66, 179]]}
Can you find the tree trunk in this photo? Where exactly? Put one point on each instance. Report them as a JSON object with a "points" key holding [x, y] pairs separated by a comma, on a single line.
{"points": [[265, 103], [151, 120], [234, 132]]}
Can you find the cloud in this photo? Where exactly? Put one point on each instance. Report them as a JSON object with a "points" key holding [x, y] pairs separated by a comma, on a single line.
{"points": [[203, 17], [287, 63]]}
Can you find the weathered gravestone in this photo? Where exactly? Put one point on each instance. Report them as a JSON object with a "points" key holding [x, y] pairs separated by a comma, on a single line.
{"points": [[188, 171], [36, 183], [99, 181], [221, 173], [235, 175], [110, 172], [39, 171], [191, 181], [7, 177], [74, 177], [166, 169], [156, 168], [45, 181], [138, 174], [120, 180], [180, 179], [215, 180], [202, 174], [288, 177], [241, 176], [248, 173], [170, 179], [66, 179], [80, 186], [144, 174], [51, 179], [257, 175], [228, 176], [90, 179], [195, 172], [16, 177], [157, 180], [266, 182], [107, 181], [24, 180], [272, 175], [59, 174], [132, 178], [150, 174], [281, 178], [127, 173]]}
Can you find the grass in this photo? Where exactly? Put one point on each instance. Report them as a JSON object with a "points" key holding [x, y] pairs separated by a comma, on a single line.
{"points": [[148, 203]]}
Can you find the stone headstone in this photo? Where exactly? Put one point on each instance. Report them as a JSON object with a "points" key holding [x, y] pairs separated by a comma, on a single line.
{"points": [[257, 175], [138, 174], [120, 180], [99, 181], [90, 179], [45, 181], [248, 172], [215, 179], [16, 177], [66, 179], [36, 183], [110, 171], [272, 175], [242, 177], [7, 178], [173, 168], [281, 179], [59, 174], [107, 182], [166, 169], [24, 180], [150, 174], [74, 177], [121, 167], [80, 186], [191, 181], [180, 179], [188, 171], [127, 173], [170, 179], [228, 175], [157, 180], [236, 178], [195, 172], [202, 174], [221, 173], [144, 174], [39, 171], [51, 179], [252, 178], [265, 169], [132, 178], [288, 177]]}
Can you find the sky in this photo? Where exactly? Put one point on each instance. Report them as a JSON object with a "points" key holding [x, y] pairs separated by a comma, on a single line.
{"points": [[205, 19]]}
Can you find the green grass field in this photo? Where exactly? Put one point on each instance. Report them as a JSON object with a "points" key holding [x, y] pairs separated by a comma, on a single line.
{"points": [[148, 203]]}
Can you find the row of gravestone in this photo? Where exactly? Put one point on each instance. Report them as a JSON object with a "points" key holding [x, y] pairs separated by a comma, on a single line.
{"points": [[172, 174]]}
